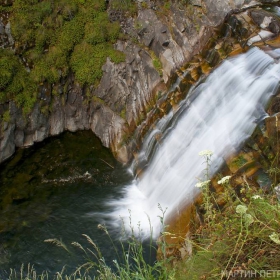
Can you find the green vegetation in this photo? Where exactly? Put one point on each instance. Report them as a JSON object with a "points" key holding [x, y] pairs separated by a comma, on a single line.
{"points": [[51, 35], [52, 39], [156, 62], [97, 99], [126, 6], [239, 238], [240, 161], [6, 116], [15, 81], [123, 113], [239, 232]]}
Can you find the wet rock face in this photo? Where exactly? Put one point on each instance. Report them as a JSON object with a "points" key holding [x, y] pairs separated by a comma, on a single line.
{"points": [[161, 41], [266, 20]]}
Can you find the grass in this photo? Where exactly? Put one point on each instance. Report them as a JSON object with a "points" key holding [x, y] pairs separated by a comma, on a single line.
{"points": [[239, 233], [130, 262]]}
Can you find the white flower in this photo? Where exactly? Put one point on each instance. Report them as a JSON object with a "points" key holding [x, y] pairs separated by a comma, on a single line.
{"points": [[205, 153], [202, 184], [224, 180], [256, 197], [241, 209], [248, 219], [275, 238], [167, 233]]}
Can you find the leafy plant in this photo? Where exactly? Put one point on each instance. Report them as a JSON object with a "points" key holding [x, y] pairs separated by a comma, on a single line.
{"points": [[240, 236]]}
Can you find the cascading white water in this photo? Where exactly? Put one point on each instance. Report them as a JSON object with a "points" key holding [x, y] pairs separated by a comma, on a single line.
{"points": [[218, 115]]}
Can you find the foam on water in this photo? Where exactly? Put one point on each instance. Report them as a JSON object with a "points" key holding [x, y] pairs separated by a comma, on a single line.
{"points": [[218, 115]]}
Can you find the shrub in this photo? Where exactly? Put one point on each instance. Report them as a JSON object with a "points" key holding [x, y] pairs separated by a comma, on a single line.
{"points": [[87, 60], [15, 81]]}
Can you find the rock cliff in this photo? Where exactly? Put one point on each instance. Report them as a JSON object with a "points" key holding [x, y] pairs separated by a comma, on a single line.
{"points": [[160, 40]]}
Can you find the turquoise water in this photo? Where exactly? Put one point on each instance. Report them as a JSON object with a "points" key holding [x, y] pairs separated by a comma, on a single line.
{"points": [[57, 189]]}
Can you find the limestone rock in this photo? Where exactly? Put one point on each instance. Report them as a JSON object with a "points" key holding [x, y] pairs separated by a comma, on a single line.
{"points": [[7, 146]]}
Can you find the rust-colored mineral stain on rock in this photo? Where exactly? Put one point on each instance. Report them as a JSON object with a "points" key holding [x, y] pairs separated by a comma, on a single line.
{"points": [[179, 226], [176, 234], [274, 42], [205, 68], [238, 49]]}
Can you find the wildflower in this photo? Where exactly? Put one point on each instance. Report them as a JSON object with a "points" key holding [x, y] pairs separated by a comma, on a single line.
{"points": [[205, 153], [256, 197], [275, 238], [241, 209], [224, 180], [202, 184], [248, 219]]}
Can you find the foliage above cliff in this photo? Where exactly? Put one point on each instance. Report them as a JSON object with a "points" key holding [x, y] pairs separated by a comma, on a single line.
{"points": [[54, 37], [15, 81]]}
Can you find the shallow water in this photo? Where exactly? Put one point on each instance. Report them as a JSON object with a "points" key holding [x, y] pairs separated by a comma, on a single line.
{"points": [[56, 189]]}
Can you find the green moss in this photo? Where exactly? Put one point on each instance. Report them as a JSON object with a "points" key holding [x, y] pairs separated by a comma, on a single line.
{"points": [[156, 62], [5, 9], [97, 99], [15, 81], [50, 35], [138, 25], [167, 5], [7, 71], [239, 161], [144, 5], [44, 110], [100, 30], [126, 6], [157, 65], [87, 60], [6, 116], [123, 113]]}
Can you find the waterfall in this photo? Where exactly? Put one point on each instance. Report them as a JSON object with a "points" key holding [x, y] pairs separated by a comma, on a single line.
{"points": [[218, 114]]}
